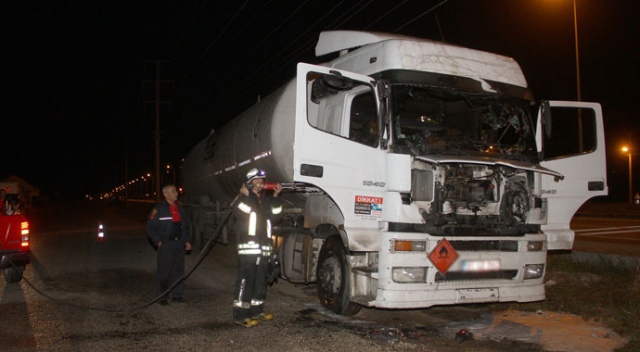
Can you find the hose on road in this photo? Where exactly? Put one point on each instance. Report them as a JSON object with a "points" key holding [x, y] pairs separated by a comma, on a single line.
{"points": [[203, 253]]}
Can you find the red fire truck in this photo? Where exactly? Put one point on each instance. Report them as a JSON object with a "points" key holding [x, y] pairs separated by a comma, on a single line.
{"points": [[14, 239]]}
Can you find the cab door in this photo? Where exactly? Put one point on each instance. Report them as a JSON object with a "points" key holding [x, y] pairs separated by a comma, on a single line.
{"points": [[337, 148], [570, 138]]}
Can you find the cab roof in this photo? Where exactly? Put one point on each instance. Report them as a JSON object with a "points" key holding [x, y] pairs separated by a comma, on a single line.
{"points": [[376, 52]]}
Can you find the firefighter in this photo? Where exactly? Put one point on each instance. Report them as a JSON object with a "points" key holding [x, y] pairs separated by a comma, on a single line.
{"points": [[254, 214], [167, 229], [3, 196]]}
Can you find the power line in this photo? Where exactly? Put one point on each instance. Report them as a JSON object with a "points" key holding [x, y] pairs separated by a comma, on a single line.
{"points": [[284, 49], [292, 57], [186, 31], [206, 51], [274, 30], [420, 16], [250, 86], [250, 22], [385, 15], [440, 28], [309, 44]]}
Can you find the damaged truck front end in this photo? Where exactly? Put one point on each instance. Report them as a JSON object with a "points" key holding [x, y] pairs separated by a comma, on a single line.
{"points": [[470, 229]]}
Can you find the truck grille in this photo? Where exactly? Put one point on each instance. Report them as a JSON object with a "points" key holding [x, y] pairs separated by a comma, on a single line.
{"points": [[484, 246], [475, 276]]}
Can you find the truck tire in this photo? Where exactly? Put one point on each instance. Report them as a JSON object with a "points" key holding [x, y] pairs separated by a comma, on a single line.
{"points": [[333, 282], [12, 274]]}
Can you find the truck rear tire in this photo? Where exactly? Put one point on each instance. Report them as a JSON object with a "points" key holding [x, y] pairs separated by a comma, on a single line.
{"points": [[333, 282], [12, 274]]}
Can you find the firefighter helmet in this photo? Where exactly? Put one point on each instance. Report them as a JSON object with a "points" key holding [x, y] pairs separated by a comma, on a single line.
{"points": [[255, 174]]}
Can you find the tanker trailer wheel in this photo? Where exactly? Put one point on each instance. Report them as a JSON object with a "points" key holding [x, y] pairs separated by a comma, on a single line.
{"points": [[12, 274], [333, 278]]}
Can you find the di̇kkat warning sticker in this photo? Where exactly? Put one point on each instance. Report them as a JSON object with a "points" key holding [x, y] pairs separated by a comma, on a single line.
{"points": [[368, 207]]}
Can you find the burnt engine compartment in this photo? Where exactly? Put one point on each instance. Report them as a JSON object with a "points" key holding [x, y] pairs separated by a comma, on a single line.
{"points": [[466, 200]]}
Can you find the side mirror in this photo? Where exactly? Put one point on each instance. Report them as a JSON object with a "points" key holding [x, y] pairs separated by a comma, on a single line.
{"points": [[546, 117], [329, 84], [384, 93]]}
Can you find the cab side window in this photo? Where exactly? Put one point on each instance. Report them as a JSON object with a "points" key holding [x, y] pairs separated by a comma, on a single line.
{"points": [[363, 123], [573, 133], [343, 107]]}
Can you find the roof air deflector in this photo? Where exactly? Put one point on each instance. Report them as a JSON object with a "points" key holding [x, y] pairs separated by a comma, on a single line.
{"points": [[335, 41]]}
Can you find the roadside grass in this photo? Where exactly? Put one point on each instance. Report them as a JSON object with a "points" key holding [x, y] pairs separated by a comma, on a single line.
{"points": [[601, 290]]}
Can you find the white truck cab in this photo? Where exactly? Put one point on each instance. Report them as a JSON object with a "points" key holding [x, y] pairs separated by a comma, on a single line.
{"points": [[430, 174], [441, 179]]}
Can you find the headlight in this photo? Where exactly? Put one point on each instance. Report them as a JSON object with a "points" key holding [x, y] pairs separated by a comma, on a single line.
{"points": [[409, 274], [408, 246], [533, 271], [535, 246]]}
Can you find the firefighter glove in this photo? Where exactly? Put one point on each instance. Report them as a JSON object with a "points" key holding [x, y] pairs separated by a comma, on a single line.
{"points": [[273, 269]]}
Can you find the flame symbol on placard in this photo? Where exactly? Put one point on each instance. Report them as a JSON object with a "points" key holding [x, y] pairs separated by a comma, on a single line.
{"points": [[443, 253]]}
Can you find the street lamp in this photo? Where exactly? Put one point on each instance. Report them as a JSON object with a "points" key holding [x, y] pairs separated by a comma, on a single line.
{"points": [[575, 31], [579, 92], [170, 178], [578, 84], [629, 154]]}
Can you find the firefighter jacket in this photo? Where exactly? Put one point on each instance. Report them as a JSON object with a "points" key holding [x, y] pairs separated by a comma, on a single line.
{"points": [[254, 216], [160, 225]]}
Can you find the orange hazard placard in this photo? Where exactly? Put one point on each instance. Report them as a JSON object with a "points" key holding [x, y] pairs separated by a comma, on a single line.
{"points": [[443, 256]]}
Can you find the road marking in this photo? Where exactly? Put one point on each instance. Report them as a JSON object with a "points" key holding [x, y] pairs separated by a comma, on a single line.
{"points": [[619, 238], [92, 230], [617, 229], [606, 231]]}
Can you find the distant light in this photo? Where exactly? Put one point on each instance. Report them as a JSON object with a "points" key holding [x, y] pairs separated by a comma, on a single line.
{"points": [[100, 231]]}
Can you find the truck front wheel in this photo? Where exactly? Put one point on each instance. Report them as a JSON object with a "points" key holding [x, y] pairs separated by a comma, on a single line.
{"points": [[333, 278], [12, 274]]}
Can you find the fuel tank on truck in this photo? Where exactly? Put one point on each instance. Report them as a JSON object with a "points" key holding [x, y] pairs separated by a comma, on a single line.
{"points": [[260, 137]]}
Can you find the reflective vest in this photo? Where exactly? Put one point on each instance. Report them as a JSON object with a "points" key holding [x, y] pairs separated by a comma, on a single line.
{"points": [[253, 223]]}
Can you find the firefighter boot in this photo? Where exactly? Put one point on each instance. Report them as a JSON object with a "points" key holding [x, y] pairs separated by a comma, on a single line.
{"points": [[247, 323], [263, 316]]}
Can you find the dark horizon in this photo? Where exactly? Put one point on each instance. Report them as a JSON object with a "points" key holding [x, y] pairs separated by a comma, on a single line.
{"points": [[80, 76]]}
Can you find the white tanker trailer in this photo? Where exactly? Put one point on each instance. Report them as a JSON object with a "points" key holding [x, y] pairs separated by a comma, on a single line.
{"points": [[424, 173]]}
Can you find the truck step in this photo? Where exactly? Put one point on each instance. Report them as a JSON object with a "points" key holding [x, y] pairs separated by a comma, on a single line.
{"points": [[366, 271], [367, 301]]}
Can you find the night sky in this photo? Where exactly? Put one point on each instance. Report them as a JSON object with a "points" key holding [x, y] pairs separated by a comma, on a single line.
{"points": [[78, 75]]}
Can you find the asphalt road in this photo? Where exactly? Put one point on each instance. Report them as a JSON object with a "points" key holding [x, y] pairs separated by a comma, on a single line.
{"points": [[607, 236], [82, 294]]}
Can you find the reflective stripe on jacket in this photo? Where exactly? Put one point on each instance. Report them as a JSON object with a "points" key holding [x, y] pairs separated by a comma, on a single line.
{"points": [[160, 225], [253, 223]]}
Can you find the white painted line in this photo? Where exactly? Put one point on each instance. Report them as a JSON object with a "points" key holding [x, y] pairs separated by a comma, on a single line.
{"points": [[609, 228]]}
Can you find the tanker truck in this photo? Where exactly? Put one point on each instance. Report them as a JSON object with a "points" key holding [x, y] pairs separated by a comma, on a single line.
{"points": [[417, 173]]}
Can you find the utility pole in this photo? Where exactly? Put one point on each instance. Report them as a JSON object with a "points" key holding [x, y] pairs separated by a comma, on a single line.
{"points": [[157, 101], [578, 89], [157, 133], [126, 173]]}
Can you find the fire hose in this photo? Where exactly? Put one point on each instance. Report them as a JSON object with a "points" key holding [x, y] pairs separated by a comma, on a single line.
{"points": [[203, 253]]}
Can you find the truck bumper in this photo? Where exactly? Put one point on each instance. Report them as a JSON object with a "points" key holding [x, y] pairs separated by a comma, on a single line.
{"points": [[17, 258], [480, 271], [422, 299]]}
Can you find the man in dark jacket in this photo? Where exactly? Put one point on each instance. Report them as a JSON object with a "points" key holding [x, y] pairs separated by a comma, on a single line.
{"points": [[167, 229], [254, 213]]}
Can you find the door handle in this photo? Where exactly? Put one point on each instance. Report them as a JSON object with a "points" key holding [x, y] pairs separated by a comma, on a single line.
{"points": [[311, 170], [596, 186]]}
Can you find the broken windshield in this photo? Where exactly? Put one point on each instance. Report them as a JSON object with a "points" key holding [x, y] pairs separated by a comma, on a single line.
{"points": [[444, 121]]}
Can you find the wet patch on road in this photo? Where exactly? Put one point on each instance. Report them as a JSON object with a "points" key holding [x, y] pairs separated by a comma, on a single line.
{"points": [[507, 330], [121, 282], [387, 334], [554, 331]]}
